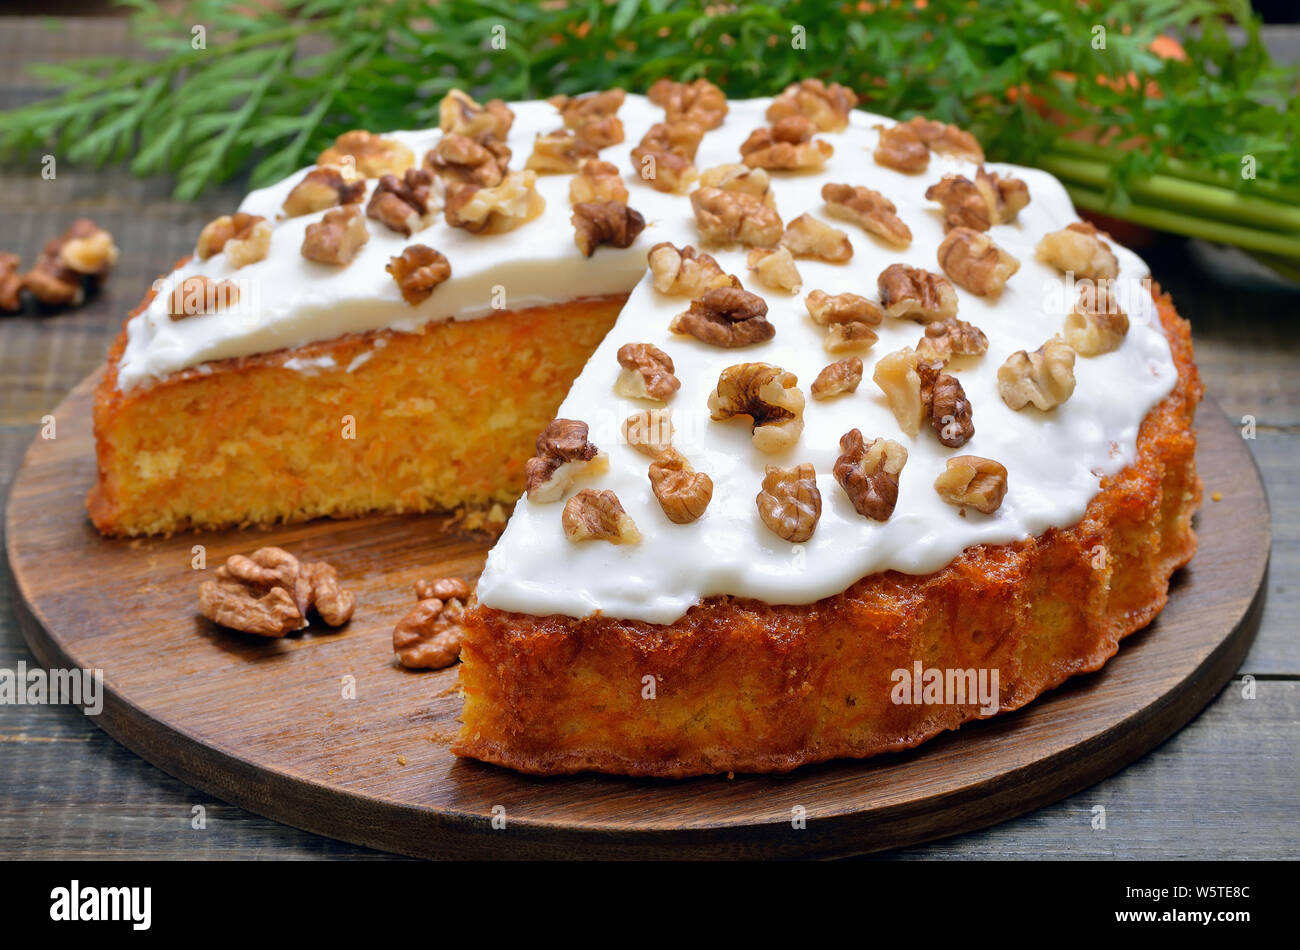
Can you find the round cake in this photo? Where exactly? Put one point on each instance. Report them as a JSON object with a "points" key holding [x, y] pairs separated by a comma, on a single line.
{"points": [[826, 434]]}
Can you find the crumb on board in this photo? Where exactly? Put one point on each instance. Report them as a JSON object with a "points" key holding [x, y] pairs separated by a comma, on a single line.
{"points": [[1216, 496], [401, 760]]}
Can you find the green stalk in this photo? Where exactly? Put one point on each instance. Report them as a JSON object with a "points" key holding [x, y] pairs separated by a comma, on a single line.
{"points": [[1270, 242], [1183, 194], [1177, 168]]}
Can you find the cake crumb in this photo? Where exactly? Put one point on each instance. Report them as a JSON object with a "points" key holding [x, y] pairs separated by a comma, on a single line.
{"points": [[1216, 496], [401, 760]]}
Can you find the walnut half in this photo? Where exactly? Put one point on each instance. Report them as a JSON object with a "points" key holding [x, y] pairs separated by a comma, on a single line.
{"points": [[1078, 249], [684, 272], [269, 593], [768, 395], [730, 217], [647, 373], [498, 209], [245, 238], [418, 271], [971, 259], [870, 209], [775, 268], [806, 236], [790, 503], [650, 431], [970, 481], [683, 493], [336, 238], [563, 454], [828, 107], [1097, 324], [605, 222], [842, 376], [370, 154], [431, 635], [916, 294], [726, 317], [868, 472], [1043, 379], [592, 515]]}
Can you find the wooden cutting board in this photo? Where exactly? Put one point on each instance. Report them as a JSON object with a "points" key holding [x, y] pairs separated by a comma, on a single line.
{"points": [[323, 731]]}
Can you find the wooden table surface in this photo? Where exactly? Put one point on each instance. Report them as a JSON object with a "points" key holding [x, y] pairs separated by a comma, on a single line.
{"points": [[1223, 787]]}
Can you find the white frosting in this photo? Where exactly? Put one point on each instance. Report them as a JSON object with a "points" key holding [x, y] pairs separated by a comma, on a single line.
{"points": [[1055, 460]]}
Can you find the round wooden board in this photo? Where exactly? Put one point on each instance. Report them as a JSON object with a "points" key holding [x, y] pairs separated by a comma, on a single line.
{"points": [[265, 724]]}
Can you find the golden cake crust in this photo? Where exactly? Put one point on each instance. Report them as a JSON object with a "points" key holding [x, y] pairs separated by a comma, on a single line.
{"points": [[745, 686]]}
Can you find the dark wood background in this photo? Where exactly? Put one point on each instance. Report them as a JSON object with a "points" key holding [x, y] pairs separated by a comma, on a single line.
{"points": [[1224, 787]]}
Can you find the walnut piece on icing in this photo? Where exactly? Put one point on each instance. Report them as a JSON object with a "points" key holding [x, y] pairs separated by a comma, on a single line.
{"points": [[1079, 249], [650, 431], [244, 238], [768, 395], [775, 268], [681, 138], [979, 204], [325, 187], [460, 160], [849, 337], [827, 309], [946, 405], [807, 236], [682, 492], [969, 481], [950, 337], [789, 502], [666, 154], [604, 222], [899, 379], [869, 473], [270, 593], [726, 317], [873, 211], [505, 207], [597, 181], [200, 294], [418, 271], [369, 154], [737, 177], [558, 153], [336, 238], [972, 260], [840, 377], [1097, 324], [828, 107], [730, 217], [901, 148], [563, 454], [700, 101], [592, 515], [916, 294], [947, 139], [405, 204], [788, 146], [459, 114], [684, 272], [594, 116], [647, 373], [1043, 378]]}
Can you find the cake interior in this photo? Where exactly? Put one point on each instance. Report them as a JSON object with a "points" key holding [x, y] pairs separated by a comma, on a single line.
{"points": [[379, 422]]}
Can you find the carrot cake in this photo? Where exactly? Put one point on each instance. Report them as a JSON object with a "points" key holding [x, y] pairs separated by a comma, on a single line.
{"points": [[793, 398]]}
